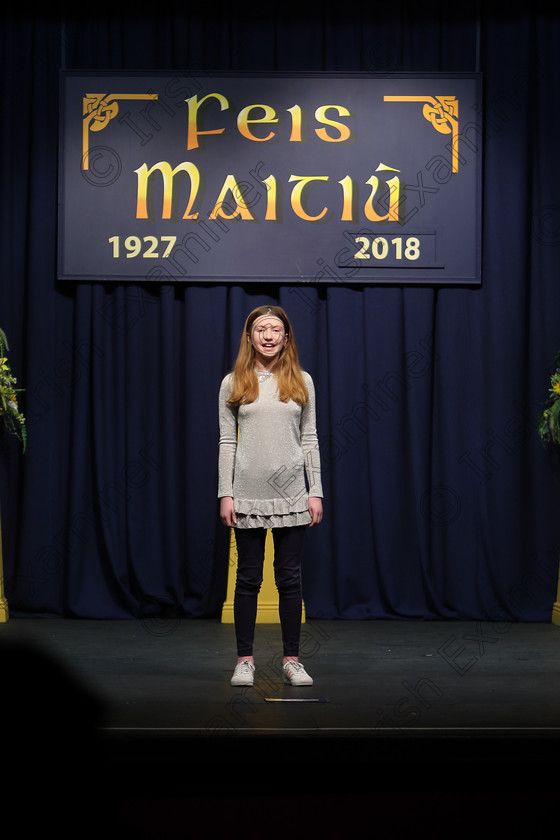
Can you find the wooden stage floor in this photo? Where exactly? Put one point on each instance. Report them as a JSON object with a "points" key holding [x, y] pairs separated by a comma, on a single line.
{"points": [[396, 706]]}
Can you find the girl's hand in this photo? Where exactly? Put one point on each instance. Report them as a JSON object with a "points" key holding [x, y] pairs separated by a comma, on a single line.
{"points": [[315, 507], [227, 512]]}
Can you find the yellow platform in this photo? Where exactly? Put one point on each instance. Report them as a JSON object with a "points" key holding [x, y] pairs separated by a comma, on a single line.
{"points": [[267, 610], [4, 612]]}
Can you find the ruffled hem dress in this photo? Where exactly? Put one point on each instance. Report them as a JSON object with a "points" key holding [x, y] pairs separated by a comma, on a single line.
{"points": [[269, 458]]}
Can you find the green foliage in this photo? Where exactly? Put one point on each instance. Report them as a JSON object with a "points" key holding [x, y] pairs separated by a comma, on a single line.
{"points": [[549, 421], [12, 417]]}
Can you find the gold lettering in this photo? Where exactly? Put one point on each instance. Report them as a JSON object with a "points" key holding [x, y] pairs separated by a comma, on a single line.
{"points": [[297, 195], [343, 129], [347, 198], [192, 123], [295, 112], [240, 209], [270, 198], [394, 185], [168, 176], [243, 122]]}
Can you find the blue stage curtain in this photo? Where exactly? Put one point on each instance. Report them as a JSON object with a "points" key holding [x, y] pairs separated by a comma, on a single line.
{"points": [[440, 502]]}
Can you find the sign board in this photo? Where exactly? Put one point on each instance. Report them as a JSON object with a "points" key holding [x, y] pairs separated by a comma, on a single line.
{"points": [[286, 178]]}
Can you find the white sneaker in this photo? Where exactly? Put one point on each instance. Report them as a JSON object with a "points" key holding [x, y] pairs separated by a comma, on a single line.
{"points": [[295, 673], [244, 673]]}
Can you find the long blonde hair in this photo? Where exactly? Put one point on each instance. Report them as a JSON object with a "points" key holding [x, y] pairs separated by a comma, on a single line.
{"points": [[291, 385]]}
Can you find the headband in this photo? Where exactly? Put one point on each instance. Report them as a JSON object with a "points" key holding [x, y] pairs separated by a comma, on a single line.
{"points": [[268, 314]]}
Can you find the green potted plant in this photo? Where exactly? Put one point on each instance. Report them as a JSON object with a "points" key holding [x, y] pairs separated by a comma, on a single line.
{"points": [[12, 417], [549, 421], [14, 421], [549, 431]]}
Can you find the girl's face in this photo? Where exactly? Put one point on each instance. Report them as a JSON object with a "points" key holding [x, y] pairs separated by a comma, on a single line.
{"points": [[268, 337]]}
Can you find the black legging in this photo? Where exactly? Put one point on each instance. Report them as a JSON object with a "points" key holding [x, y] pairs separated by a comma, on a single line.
{"points": [[288, 543]]}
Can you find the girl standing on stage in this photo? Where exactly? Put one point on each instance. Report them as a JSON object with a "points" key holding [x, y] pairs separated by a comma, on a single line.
{"points": [[268, 448]]}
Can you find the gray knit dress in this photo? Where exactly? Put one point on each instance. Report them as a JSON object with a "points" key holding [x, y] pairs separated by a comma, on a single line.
{"points": [[269, 456]]}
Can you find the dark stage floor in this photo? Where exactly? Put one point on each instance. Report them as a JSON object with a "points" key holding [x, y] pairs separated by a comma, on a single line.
{"points": [[456, 707]]}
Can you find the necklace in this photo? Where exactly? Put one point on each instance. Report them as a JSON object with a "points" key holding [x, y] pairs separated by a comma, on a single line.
{"points": [[262, 374]]}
